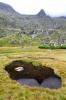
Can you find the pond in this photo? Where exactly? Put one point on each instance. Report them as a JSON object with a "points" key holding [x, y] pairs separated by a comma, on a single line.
{"points": [[51, 82], [29, 82], [25, 73]]}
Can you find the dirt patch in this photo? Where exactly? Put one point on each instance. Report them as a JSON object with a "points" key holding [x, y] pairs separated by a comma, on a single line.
{"points": [[26, 70]]}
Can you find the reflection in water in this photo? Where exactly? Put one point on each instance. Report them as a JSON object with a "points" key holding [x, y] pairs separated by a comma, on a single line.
{"points": [[30, 82], [51, 82]]}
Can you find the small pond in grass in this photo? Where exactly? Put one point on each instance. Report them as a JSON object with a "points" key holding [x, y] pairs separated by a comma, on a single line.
{"points": [[36, 76]]}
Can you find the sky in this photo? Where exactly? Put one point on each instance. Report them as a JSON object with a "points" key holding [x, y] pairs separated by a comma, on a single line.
{"points": [[51, 7]]}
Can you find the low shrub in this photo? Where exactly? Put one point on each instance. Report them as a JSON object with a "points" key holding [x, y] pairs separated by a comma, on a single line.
{"points": [[44, 46], [63, 47], [48, 46]]}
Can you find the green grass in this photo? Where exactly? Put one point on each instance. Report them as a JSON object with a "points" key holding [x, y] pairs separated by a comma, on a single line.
{"points": [[11, 90]]}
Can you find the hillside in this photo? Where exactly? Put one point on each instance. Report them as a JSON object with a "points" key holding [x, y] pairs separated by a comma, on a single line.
{"points": [[11, 22], [32, 56], [10, 18]]}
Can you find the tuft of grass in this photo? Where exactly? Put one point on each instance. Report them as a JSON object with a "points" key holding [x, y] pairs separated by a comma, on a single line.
{"points": [[36, 63]]}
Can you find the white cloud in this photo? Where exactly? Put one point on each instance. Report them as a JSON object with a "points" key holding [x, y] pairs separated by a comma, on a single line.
{"points": [[52, 7], [55, 7]]}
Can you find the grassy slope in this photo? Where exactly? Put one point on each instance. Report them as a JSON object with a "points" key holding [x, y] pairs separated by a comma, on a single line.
{"points": [[11, 90], [21, 39], [15, 40]]}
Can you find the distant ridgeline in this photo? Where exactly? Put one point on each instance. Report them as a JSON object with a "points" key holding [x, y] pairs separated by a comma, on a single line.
{"points": [[23, 30]]}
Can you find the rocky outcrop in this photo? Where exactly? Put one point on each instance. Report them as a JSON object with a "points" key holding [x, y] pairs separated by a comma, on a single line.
{"points": [[41, 13]]}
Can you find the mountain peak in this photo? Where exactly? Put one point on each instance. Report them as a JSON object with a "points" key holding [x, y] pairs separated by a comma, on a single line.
{"points": [[5, 8], [41, 13]]}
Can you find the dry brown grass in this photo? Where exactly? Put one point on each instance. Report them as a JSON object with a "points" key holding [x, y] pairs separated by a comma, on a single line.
{"points": [[10, 90]]}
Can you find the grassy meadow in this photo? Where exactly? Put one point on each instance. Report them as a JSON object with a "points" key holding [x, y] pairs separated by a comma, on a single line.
{"points": [[11, 90]]}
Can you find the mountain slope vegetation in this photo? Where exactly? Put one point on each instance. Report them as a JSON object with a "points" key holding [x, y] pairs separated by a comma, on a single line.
{"points": [[11, 22]]}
